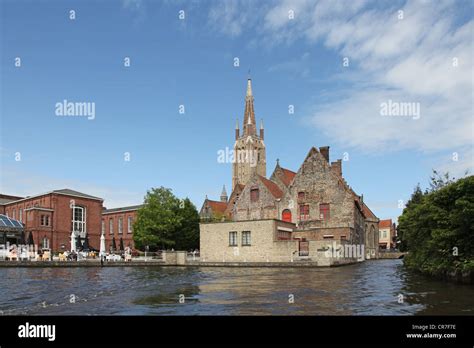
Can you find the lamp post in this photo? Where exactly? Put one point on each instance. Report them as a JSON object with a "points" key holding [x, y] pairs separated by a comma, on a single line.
{"points": [[146, 249]]}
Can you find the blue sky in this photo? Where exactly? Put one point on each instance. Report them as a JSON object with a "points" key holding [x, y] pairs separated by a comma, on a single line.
{"points": [[421, 55]]}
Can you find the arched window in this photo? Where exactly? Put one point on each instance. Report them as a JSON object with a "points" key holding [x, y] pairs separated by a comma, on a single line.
{"points": [[78, 219], [286, 215], [372, 237]]}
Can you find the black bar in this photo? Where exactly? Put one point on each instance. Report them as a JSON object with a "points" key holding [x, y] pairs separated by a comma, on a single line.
{"points": [[225, 330]]}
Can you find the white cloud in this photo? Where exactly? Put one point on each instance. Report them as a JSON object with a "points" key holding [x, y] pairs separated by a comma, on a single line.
{"points": [[298, 66], [405, 60], [232, 17]]}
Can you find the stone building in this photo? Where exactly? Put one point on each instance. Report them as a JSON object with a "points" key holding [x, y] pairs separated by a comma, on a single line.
{"points": [[315, 200]]}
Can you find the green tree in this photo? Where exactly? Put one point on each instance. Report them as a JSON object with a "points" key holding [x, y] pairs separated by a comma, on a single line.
{"points": [[438, 227], [438, 180], [414, 200], [187, 236], [158, 220], [165, 221]]}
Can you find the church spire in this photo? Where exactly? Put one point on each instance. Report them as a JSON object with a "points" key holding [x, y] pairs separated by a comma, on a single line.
{"points": [[249, 113], [237, 130], [224, 195], [249, 87]]}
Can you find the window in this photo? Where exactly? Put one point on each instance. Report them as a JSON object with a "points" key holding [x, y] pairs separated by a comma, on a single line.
{"points": [[130, 224], [233, 238], [45, 243], [343, 238], [301, 195], [103, 226], [44, 220], [120, 225], [328, 236], [324, 211], [286, 215], [78, 219], [254, 195], [14, 214], [304, 212], [284, 235], [384, 234], [111, 226], [246, 238], [21, 215]]}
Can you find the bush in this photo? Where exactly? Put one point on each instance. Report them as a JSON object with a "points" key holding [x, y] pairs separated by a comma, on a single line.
{"points": [[437, 227]]}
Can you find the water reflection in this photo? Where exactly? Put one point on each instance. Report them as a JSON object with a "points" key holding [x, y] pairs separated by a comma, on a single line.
{"points": [[370, 288]]}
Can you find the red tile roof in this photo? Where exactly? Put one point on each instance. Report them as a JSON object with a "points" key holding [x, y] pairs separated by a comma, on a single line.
{"points": [[288, 176], [217, 206], [272, 187], [368, 213], [385, 223]]}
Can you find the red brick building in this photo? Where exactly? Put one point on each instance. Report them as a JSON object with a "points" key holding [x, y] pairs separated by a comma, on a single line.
{"points": [[117, 225], [54, 216]]}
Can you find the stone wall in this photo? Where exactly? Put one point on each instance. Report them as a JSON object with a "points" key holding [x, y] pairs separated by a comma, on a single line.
{"points": [[320, 185], [214, 242], [264, 208]]}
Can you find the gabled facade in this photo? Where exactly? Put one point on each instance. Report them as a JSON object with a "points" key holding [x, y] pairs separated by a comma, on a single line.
{"points": [[316, 202]]}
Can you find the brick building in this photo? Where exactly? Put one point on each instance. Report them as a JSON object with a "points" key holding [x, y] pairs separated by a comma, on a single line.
{"points": [[316, 198], [117, 226], [53, 217]]}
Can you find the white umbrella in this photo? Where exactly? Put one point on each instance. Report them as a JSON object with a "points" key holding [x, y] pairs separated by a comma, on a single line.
{"points": [[73, 242], [102, 245]]}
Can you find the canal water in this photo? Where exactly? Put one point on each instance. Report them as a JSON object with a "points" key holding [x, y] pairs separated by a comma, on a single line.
{"points": [[381, 287]]}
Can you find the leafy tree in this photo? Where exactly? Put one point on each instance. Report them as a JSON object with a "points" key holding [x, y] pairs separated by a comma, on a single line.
{"points": [[187, 236], [165, 221], [438, 180], [437, 226], [414, 200]]}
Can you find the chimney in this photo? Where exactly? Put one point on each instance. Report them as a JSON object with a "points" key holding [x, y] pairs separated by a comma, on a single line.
{"points": [[337, 167], [325, 152]]}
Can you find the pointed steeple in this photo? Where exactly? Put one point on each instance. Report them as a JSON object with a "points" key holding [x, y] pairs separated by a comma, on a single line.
{"points": [[249, 87], [249, 113], [224, 195], [237, 130]]}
